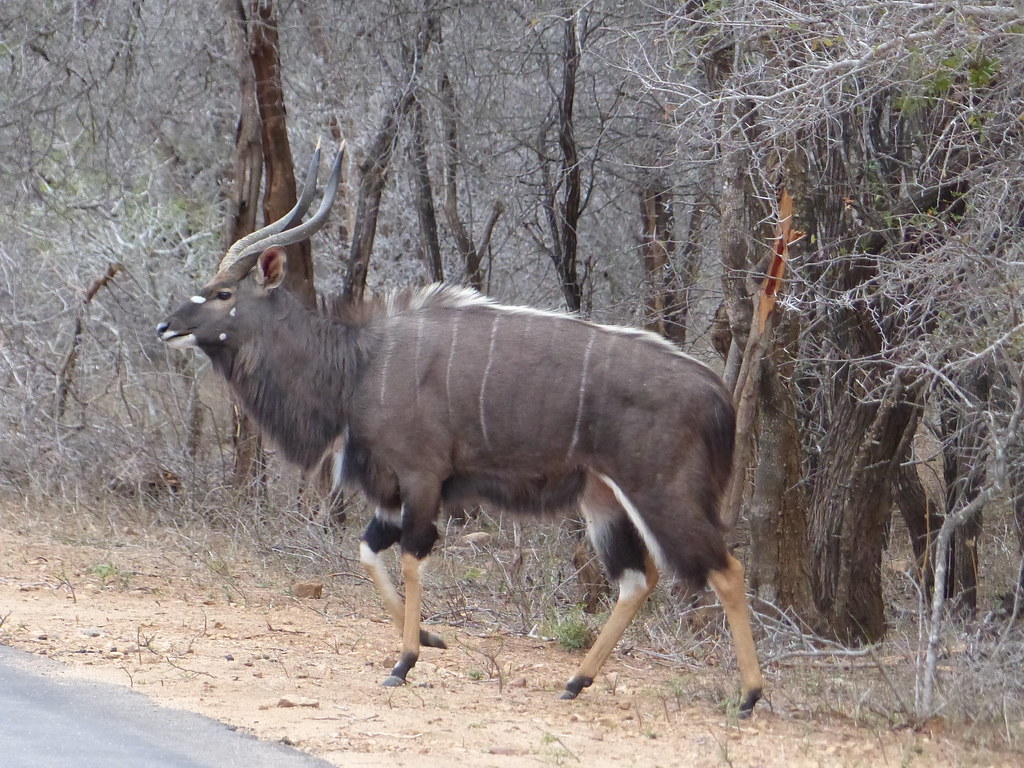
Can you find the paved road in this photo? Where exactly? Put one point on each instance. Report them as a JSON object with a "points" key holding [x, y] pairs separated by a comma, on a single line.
{"points": [[48, 720]]}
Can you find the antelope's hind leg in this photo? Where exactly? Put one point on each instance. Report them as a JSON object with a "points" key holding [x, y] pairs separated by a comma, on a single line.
{"points": [[417, 539], [731, 589], [384, 531], [627, 562]]}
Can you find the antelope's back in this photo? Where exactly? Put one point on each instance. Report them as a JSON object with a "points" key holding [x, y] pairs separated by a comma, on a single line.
{"points": [[515, 391]]}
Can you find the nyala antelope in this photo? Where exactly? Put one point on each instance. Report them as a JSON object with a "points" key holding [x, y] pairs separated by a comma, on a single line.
{"points": [[439, 395]]}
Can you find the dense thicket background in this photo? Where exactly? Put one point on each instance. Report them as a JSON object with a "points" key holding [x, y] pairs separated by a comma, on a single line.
{"points": [[621, 160]]}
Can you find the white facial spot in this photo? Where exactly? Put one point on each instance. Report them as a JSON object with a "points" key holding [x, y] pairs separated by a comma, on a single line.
{"points": [[223, 337], [197, 300], [233, 312]]}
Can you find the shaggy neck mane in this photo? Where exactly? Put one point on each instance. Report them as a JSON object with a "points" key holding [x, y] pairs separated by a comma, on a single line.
{"points": [[289, 375]]}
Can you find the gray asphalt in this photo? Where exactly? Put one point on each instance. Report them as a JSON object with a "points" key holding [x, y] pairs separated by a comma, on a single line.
{"points": [[51, 721]]}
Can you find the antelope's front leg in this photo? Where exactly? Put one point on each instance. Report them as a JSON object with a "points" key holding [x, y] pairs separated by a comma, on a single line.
{"points": [[384, 531], [418, 536]]}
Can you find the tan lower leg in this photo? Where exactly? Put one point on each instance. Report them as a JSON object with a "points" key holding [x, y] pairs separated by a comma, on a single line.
{"points": [[388, 594], [411, 622], [632, 594], [730, 587], [411, 574]]}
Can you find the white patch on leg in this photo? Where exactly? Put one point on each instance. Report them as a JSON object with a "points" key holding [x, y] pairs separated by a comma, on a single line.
{"points": [[599, 528], [367, 556], [392, 516], [633, 584], [337, 469], [634, 517]]}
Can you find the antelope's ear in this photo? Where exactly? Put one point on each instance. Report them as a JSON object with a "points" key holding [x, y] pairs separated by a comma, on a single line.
{"points": [[271, 267]]}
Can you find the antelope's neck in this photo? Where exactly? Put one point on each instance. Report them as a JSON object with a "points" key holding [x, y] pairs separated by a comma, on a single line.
{"points": [[293, 381]]}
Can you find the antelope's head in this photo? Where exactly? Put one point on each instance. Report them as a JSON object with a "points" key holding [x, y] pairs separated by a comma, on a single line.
{"points": [[231, 307]]}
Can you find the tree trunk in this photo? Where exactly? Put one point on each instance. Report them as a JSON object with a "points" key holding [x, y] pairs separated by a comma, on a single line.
{"points": [[851, 502], [425, 210], [242, 216], [964, 442], [667, 287], [921, 515], [262, 144], [374, 167], [736, 248], [472, 256], [280, 193], [778, 566], [563, 215]]}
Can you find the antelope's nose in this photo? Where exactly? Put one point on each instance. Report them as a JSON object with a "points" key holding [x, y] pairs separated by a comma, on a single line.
{"points": [[161, 328]]}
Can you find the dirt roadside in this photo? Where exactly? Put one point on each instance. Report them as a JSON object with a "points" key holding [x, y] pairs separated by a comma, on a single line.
{"points": [[231, 642]]}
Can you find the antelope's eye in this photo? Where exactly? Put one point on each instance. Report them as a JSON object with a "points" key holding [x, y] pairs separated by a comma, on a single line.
{"points": [[224, 295]]}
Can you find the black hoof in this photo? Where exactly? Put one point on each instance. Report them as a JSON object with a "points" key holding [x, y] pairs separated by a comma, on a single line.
{"points": [[394, 681], [574, 686], [747, 705], [430, 640]]}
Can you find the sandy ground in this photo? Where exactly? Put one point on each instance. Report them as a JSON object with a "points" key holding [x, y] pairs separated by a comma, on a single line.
{"points": [[223, 636]]}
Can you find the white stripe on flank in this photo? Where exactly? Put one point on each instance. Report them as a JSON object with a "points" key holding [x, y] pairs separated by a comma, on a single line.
{"points": [[582, 392], [619, 330], [634, 517], [388, 345], [416, 362], [451, 357], [483, 382], [456, 298]]}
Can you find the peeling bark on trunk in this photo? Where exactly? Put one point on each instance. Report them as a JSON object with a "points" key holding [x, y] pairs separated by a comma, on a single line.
{"points": [[778, 568]]}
